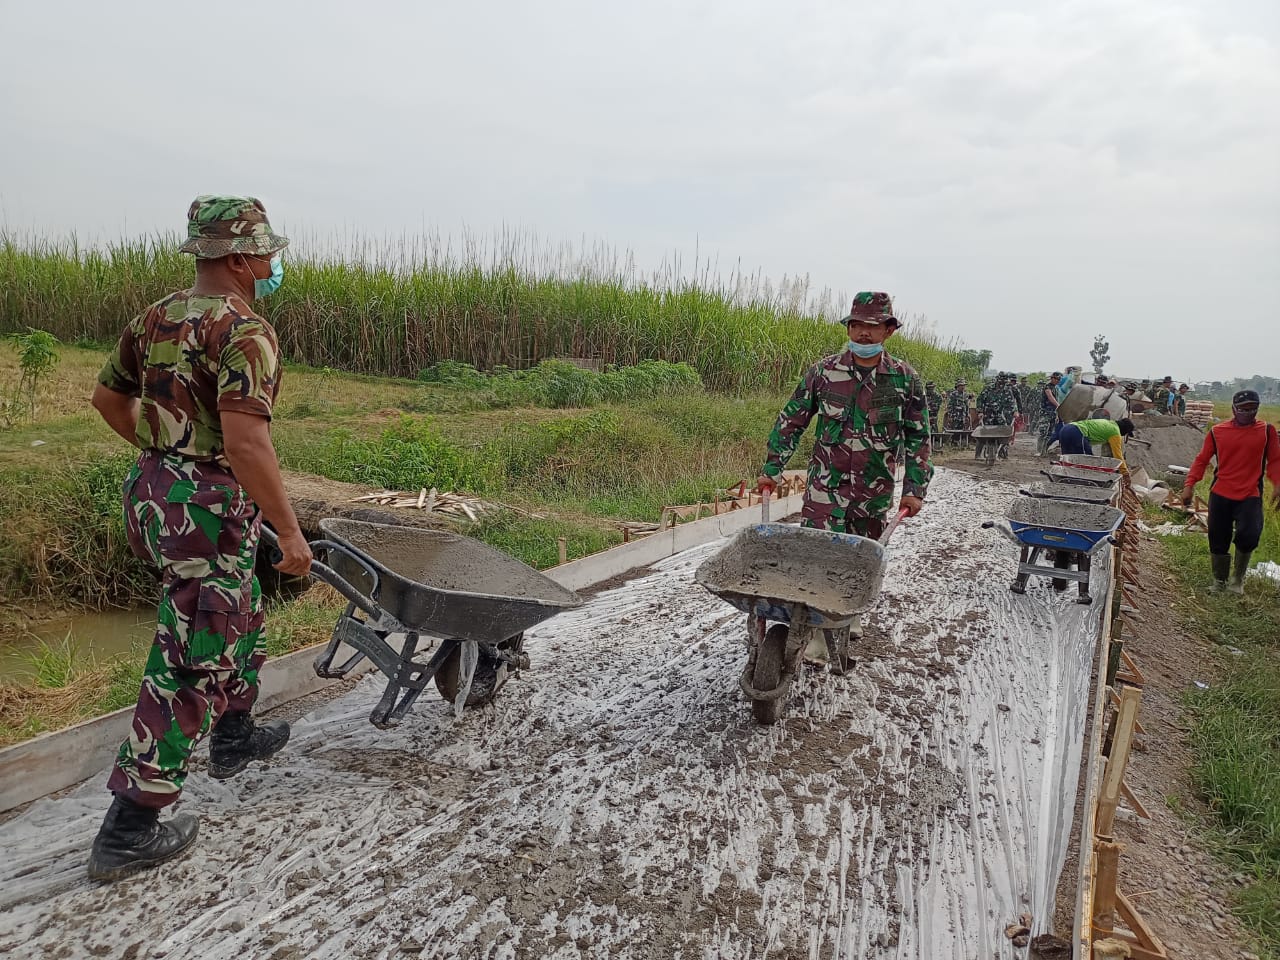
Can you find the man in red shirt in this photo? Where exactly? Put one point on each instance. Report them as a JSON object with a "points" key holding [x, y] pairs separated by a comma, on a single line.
{"points": [[1247, 450]]}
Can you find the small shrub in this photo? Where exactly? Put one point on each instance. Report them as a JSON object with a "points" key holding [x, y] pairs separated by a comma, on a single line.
{"points": [[453, 373], [37, 358], [407, 456]]}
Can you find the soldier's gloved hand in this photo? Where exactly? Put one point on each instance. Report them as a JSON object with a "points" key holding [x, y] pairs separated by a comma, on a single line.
{"points": [[765, 484], [912, 505], [297, 554]]}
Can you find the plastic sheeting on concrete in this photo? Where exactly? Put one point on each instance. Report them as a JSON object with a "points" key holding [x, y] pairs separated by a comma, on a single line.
{"points": [[619, 801]]}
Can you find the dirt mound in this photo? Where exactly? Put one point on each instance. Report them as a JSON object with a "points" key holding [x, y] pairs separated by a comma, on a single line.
{"points": [[1173, 441]]}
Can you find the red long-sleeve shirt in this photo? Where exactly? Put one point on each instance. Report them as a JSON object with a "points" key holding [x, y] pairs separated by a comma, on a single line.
{"points": [[1240, 452]]}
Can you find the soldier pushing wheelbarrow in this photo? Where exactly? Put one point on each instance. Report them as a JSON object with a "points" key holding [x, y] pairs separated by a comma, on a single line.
{"points": [[872, 413]]}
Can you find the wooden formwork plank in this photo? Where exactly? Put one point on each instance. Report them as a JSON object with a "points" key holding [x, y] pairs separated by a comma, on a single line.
{"points": [[1081, 927]]}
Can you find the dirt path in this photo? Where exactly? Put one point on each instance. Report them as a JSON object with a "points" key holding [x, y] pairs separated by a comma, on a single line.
{"points": [[1183, 891], [619, 802]]}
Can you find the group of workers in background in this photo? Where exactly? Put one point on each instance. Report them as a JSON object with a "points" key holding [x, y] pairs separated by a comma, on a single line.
{"points": [[1246, 451], [1009, 400]]}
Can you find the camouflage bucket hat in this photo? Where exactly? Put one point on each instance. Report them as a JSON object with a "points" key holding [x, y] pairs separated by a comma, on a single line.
{"points": [[872, 308], [218, 226]]}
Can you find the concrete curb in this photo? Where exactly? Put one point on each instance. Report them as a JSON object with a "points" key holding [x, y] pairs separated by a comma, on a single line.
{"points": [[53, 761], [598, 567]]}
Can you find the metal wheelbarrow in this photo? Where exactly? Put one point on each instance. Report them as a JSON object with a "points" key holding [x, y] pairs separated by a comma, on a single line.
{"points": [[1078, 492], [992, 440], [460, 601], [1080, 475], [804, 580], [1067, 533], [1084, 460]]}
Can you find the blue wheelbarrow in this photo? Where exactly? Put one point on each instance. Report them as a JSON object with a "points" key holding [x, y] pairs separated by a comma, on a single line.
{"points": [[1066, 533], [803, 581]]}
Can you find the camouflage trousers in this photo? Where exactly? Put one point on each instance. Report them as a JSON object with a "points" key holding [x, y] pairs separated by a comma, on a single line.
{"points": [[838, 503], [194, 523], [1044, 435]]}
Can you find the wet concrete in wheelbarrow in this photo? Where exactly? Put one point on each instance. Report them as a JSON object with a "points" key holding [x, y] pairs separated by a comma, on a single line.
{"points": [[618, 801]]}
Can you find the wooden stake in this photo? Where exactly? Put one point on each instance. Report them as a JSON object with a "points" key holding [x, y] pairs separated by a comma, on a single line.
{"points": [[1134, 802], [1149, 946], [563, 545], [1113, 777], [1104, 898]]}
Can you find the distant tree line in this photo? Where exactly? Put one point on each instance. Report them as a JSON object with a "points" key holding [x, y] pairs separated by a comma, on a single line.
{"points": [[1268, 388]]}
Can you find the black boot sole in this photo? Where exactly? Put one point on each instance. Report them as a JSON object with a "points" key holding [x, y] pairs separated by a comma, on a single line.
{"points": [[222, 772], [107, 874]]}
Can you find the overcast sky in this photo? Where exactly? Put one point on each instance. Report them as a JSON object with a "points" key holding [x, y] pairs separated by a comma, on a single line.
{"points": [[1024, 174]]}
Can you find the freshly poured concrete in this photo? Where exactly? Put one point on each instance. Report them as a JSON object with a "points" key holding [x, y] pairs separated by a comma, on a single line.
{"points": [[618, 801]]}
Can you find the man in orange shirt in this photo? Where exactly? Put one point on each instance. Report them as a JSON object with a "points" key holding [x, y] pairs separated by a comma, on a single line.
{"points": [[1247, 450]]}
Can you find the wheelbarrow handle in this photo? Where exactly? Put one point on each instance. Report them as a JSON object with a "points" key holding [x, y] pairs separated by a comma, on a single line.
{"points": [[326, 574], [893, 525], [1003, 531]]}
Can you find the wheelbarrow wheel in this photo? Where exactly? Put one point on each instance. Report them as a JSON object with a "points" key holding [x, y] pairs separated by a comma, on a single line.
{"points": [[770, 660], [489, 677]]}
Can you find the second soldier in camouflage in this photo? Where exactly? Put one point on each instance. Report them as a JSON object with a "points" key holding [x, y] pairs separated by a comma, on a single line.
{"points": [[871, 415]]}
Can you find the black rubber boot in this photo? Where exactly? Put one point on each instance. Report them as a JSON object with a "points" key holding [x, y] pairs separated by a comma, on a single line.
{"points": [[132, 838], [1238, 571], [1221, 563], [237, 741]]}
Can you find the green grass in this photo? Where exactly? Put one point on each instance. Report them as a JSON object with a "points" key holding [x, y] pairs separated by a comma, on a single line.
{"points": [[62, 539], [1236, 725], [396, 312], [54, 664], [67, 686]]}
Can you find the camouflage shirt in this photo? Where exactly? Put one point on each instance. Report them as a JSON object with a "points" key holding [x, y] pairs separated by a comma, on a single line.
{"points": [[934, 401], [867, 420], [997, 405], [191, 359]]}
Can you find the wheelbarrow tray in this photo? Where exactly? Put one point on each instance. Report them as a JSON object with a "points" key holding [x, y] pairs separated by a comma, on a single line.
{"points": [[443, 583], [770, 568], [1062, 524], [1109, 464], [1070, 491], [993, 431], [1080, 475]]}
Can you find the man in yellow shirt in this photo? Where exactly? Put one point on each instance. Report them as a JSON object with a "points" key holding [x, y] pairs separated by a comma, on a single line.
{"points": [[1079, 437]]}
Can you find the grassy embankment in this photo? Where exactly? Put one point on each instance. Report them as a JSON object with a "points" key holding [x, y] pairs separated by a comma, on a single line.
{"points": [[1236, 722], [575, 450]]}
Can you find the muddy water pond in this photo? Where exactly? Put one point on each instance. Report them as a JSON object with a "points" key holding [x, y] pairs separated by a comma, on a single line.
{"points": [[99, 636]]}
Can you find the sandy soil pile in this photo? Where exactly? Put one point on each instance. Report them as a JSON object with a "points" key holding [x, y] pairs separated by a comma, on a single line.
{"points": [[1172, 442]]}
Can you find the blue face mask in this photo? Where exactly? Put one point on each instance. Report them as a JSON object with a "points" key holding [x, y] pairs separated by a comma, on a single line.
{"points": [[264, 288], [865, 350]]}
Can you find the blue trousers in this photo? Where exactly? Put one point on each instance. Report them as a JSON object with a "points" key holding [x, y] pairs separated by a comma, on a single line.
{"points": [[1071, 440]]}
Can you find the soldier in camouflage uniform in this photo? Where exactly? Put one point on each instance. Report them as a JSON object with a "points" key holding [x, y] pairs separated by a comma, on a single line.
{"points": [[956, 409], [871, 412], [996, 403], [192, 383], [1164, 392], [1048, 414], [933, 399]]}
